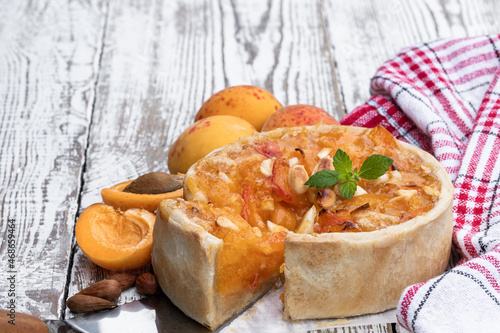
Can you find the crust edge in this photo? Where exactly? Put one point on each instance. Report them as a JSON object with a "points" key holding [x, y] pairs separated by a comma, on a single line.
{"points": [[347, 274]]}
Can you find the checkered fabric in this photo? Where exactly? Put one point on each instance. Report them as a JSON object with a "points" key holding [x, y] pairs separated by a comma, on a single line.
{"points": [[444, 96]]}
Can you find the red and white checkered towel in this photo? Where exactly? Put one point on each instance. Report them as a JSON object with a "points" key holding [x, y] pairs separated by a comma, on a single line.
{"points": [[444, 96]]}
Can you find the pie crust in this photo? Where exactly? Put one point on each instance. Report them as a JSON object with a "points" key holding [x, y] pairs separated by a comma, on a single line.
{"points": [[326, 275], [346, 274], [184, 259]]}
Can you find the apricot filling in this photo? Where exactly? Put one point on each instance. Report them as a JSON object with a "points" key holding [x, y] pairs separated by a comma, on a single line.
{"points": [[251, 197]]}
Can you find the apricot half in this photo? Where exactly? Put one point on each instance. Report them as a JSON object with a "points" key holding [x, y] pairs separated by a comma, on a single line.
{"points": [[298, 115], [114, 196], [204, 136], [251, 103], [113, 239]]}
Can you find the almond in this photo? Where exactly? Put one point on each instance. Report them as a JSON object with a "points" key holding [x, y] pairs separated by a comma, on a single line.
{"points": [[126, 280], [297, 177], [106, 289], [146, 284], [85, 303], [325, 198], [21, 322]]}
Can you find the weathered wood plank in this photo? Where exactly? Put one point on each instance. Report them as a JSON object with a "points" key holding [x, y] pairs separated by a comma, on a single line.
{"points": [[48, 60], [161, 60], [364, 34]]}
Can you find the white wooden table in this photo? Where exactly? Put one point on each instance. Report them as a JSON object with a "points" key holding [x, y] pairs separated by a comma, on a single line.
{"points": [[94, 92]]}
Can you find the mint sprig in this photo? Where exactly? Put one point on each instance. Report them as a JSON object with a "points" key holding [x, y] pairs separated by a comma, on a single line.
{"points": [[372, 168]]}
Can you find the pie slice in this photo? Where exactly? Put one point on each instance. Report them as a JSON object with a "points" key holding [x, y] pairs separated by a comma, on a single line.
{"points": [[246, 211]]}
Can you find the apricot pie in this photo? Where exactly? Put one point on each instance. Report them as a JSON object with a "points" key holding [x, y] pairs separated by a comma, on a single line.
{"points": [[247, 210]]}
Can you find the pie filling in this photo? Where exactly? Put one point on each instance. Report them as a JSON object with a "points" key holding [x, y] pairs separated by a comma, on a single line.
{"points": [[252, 197]]}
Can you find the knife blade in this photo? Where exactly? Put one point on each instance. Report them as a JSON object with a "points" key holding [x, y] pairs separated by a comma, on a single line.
{"points": [[158, 314], [152, 314]]}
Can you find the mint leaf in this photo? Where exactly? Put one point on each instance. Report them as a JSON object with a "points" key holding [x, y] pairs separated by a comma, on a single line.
{"points": [[323, 178], [342, 162], [372, 168], [375, 166], [348, 188]]}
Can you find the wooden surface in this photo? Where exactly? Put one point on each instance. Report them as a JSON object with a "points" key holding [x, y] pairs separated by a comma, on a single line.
{"points": [[93, 93]]}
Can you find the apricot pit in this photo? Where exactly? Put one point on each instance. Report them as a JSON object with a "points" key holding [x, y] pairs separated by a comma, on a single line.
{"points": [[145, 193]]}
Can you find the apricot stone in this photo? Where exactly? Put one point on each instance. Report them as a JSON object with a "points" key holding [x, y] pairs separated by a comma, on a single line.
{"points": [[251, 103], [298, 115], [116, 197], [204, 136]]}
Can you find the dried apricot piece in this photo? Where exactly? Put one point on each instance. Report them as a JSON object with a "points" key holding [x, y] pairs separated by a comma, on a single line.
{"points": [[113, 239]]}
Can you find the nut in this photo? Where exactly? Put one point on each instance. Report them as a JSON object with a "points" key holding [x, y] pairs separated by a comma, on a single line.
{"points": [[273, 227], [23, 323], [224, 222], [297, 176], [126, 280], [266, 167], [85, 303], [359, 190], [146, 284], [155, 183], [326, 163], [107, 289], [325, 198], [324, 152], [307, 224]]}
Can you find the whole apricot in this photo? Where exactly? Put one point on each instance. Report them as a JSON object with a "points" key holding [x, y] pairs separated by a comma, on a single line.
{"points": [[114, 239], [251, 103], [204, 136], [298, 115]]}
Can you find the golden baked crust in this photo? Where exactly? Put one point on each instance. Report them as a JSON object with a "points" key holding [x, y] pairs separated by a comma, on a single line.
{"points": [[185, 258], [346, 274], [229, 196]]}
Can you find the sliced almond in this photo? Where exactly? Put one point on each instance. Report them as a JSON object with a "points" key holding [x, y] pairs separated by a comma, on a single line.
{"points": [[425, 168], [390, 176], [359, 190], [431, 191], [307, 224], [324, 152], [257, 232], [273, 227], [266, 167], [224, 222], [297, 177], [326, 163], [403, 194], [293, 161], [382, 179], [224, 177]]}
